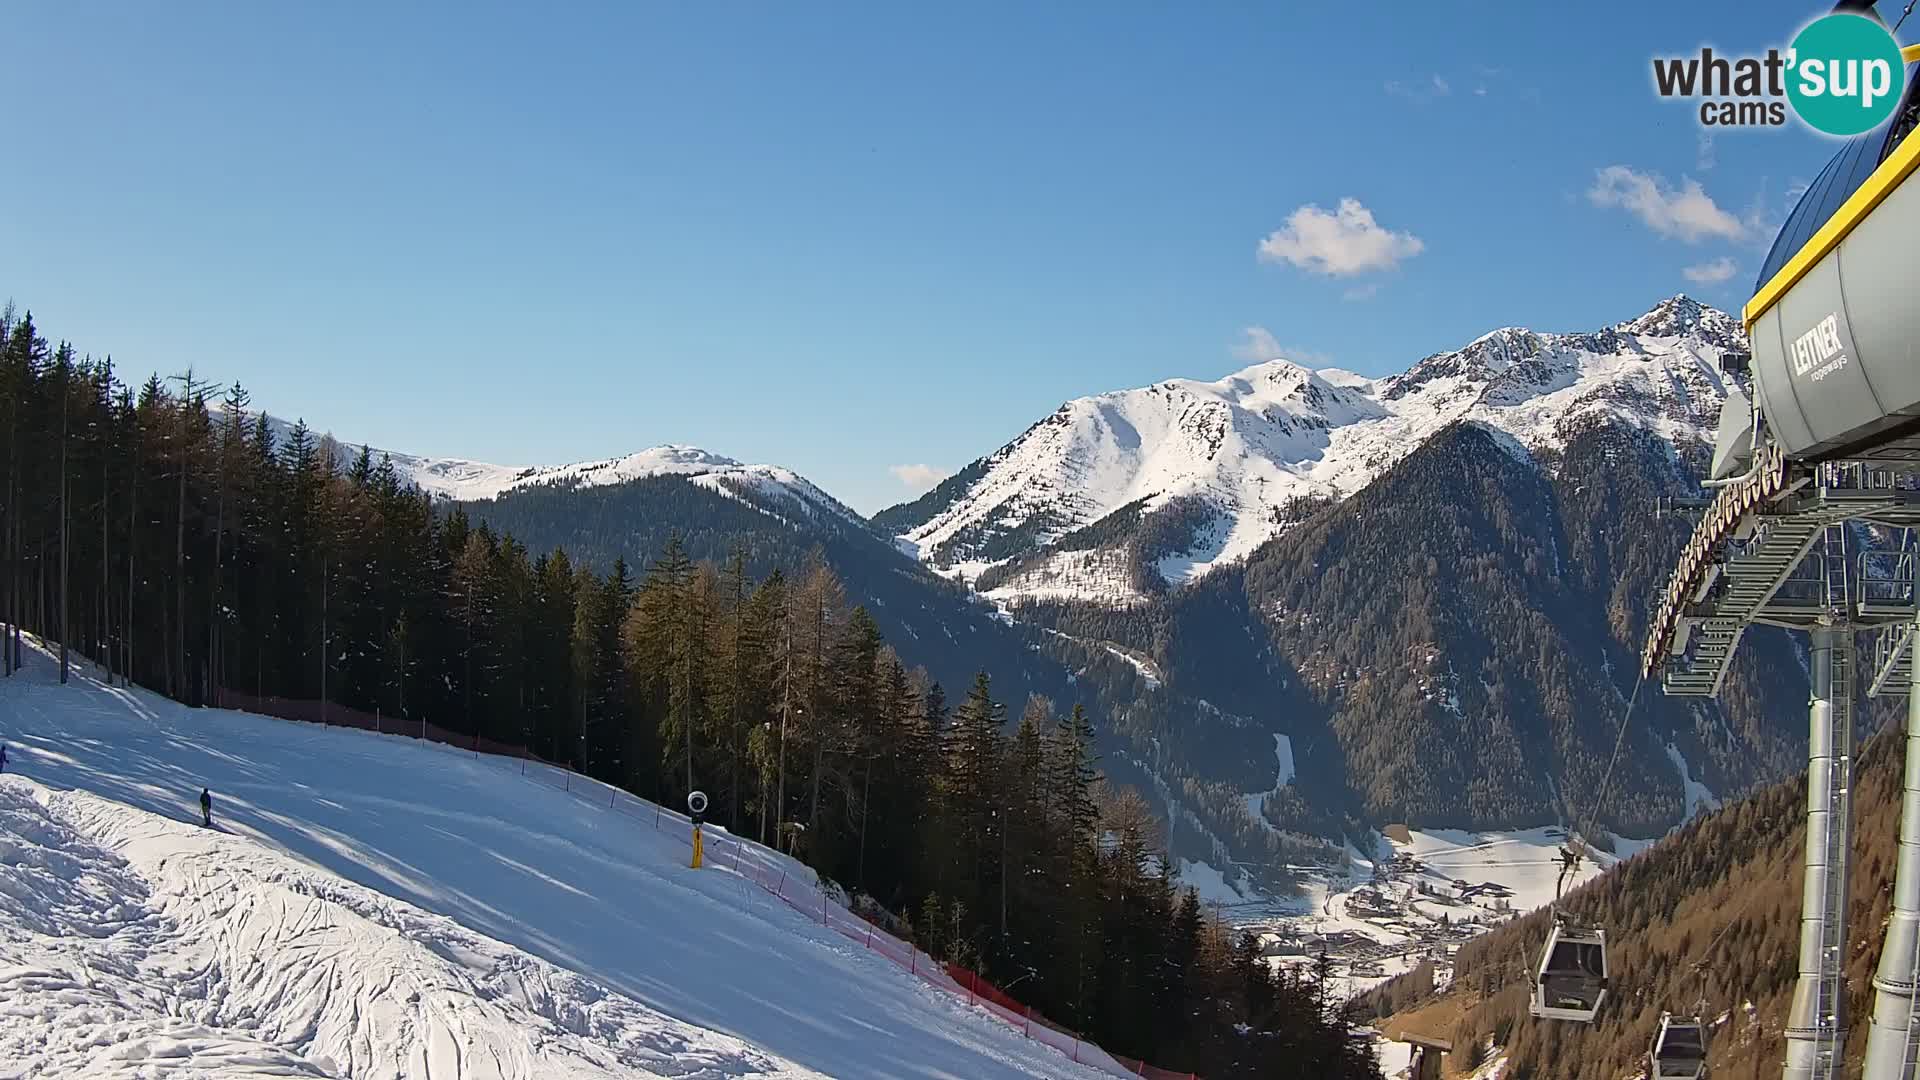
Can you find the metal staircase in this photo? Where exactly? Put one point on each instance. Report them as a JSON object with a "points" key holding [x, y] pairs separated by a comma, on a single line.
{"points": [[1750, 582], [1749, 576], [1892, 662]]}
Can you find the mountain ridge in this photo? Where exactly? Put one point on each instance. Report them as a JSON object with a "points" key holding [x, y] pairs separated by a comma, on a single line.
{"points": [[1192, 684], [453, 479], [1248, 446]]}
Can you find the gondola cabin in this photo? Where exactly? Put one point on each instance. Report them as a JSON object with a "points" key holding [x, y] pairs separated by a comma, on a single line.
{"points": [[1571, 983], [1679, 1049], [1832, 319]]}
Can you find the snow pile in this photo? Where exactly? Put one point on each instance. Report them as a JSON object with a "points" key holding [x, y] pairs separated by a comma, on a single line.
{"points": [[1252, 443], [377, 904]]}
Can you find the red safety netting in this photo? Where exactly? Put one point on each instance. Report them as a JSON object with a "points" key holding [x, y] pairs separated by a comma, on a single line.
{"points": [[781, 876]]}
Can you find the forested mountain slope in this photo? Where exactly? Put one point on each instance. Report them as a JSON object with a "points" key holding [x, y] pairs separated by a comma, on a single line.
{"points": [[1709, 920], [1448, 644], [1459, 640], [1195, 758]]}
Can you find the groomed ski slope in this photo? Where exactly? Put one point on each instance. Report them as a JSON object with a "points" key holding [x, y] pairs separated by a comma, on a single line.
{"points": [[375, 906], [142, 946]]}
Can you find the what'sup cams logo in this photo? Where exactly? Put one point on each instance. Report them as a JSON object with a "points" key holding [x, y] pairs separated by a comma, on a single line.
{"points": [[1842, 76]]}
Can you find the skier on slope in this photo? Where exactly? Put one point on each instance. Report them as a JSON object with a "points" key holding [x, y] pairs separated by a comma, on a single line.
{"points": [[206, 808]]}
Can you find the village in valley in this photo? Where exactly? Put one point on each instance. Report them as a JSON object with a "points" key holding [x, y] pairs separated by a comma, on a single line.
{"points": [[1420, 896]]}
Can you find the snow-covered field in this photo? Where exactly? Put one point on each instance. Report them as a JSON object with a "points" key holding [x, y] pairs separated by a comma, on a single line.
{"points": [[372, 906], [1526, 861]]}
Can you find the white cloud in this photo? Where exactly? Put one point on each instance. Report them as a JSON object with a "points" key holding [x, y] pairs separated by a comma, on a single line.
{"points": [[1711, 273], [918, 477], [1686, 213], [1419, 93], [1362, 292], [1260, 346], [1338, 243]]}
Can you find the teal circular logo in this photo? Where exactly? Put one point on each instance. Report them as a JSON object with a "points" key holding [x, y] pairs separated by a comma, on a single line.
{"points": [[1845, 75]]}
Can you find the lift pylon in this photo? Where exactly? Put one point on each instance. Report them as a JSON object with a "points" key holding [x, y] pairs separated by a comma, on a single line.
{"points": [[1893, 1040], [1817, 1022]]}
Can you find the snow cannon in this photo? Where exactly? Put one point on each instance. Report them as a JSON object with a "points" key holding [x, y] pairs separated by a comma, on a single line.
{"points": [[697, 812]]}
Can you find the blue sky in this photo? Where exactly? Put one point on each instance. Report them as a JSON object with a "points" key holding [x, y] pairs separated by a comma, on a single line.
{"points": [[847, 238]]}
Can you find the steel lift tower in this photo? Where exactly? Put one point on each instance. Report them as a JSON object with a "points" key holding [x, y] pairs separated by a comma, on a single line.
{"points": [[1812, 528]]}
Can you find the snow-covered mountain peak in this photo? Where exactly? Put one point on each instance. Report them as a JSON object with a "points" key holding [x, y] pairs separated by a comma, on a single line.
{"points": [[773, 484], [1278, 372], [1681, 315], [772, 487], [1245, 448]]}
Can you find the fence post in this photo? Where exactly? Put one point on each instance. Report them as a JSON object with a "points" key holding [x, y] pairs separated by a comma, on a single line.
{"points": [[1029, 1022], [1076, 1049], [376, 719], [616, 794], [656, 818]]}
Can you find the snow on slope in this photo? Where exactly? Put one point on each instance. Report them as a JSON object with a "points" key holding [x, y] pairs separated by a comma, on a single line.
{"points": [[470, 480], [142, 945], [1249, 444], [1257, 802], [1525, 861], [465, 480], [1699, 796], [582, 932]]}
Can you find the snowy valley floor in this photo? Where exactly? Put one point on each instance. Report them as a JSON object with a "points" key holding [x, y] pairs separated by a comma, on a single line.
{"points": [[372, 906]]}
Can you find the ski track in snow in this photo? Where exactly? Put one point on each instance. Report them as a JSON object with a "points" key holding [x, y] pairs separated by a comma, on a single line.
{"points": [[153, 947], [374, 906]]}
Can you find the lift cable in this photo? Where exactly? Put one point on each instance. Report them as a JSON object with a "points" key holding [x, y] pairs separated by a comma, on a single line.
{"points": [[1904, 14], [1570, 855]]}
